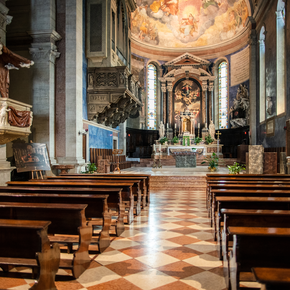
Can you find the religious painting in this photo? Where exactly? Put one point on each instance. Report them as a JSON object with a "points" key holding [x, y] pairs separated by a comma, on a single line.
{"points": [[187, 96], [31, 157], [187, 23]]}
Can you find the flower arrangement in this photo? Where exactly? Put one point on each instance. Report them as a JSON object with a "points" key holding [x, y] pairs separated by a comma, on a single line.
{"points": [[197, 140], [212, 161], [208, 139], [236, 168], [91, 168], [163, 140], [175, 140]]}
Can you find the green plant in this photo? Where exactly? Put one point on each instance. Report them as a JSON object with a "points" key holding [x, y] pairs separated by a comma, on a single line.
{"points": [[236, 168], [91, 168], [175, 140], [163, 140], [212, 160], [197, 140], [208, 139]]}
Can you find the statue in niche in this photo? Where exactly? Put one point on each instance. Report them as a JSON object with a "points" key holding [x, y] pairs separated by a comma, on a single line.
{"points": [[269, 106], [9, 60], [239, 112], [161, 130], [211, 130]]}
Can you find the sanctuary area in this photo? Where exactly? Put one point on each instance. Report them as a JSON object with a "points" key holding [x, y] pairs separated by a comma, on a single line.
{"points": [[144, 144]]}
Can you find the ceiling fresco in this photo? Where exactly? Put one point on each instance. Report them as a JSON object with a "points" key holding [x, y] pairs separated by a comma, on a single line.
{"points": [[187, 23]]}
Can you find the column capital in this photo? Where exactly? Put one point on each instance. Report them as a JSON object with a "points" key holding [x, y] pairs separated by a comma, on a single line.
{"points": [[169, 87], [211, 86], [44, 36], [163, 87], [204, 85], [41, 54]]}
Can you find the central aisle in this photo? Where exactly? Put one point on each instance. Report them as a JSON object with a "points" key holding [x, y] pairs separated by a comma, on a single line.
{"points": [[170, 246]]}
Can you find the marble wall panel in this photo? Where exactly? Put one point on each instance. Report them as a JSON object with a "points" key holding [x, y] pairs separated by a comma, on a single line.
{"points": [[256, 159], [283, 161], [100, 138], [270, 163]]}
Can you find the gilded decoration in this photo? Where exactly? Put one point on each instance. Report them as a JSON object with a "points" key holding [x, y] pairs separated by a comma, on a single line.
{"points": [[188, 23]]}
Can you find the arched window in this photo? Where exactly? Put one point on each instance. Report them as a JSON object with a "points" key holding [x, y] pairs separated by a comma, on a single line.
{"points": [[151, 96], [223, 95], [280, 25], [262, 75]]}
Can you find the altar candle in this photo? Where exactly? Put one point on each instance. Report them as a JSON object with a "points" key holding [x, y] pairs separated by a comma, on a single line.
{"points": [[198, 125], [159, 148], [175, 125], [167, 125], [154, 148], [205, 125]]}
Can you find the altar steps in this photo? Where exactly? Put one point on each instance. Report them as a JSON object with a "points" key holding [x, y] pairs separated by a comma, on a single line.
{"points": [[178, 182]]}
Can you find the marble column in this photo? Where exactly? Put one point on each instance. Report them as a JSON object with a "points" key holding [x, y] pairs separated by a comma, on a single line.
{"points": [[44, 53], [5, 167], [169, 110], [163, 99], [73, 84], [204, 102], [122, 137], [211, 103], [253, 86]]}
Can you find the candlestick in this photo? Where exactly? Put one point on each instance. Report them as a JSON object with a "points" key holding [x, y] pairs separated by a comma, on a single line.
{"points": [[205, 125], [167, 125], [175, 125], [198, 125], [159, 148], [154, 148]]}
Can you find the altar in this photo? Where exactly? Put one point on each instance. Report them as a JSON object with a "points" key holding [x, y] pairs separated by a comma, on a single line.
{"points": [[200, 149]]}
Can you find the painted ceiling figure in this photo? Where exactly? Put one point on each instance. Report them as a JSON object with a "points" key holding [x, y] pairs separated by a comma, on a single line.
{"points": [[9, 60]]}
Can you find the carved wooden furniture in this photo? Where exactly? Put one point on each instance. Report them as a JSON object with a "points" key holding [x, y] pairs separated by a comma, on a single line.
{"points": [[127, 193], [254, 247], [64, 169], [66, 219], [25, 243], [273, 278], [120, 177], [127, 190], [248, 218], [99, 211]]}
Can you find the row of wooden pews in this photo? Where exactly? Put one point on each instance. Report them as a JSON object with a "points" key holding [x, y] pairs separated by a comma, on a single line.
{"points": [[68, 210], [250, 215]]}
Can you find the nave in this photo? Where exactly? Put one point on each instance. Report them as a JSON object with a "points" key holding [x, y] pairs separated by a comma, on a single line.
{"points": [[169, 246]]}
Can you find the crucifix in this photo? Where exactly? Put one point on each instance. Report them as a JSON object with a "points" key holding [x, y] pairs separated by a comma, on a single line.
{"points": [[218, 133]]}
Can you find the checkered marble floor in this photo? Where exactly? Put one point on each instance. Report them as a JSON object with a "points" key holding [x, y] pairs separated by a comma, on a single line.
{"points": [[169, 246]]}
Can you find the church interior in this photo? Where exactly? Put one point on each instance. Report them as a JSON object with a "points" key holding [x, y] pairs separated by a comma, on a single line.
{"points": [[144, 144]]}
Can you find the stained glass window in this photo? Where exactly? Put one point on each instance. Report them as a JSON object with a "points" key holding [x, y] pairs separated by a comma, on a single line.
{"points": [[223, 95], [151, 96]]}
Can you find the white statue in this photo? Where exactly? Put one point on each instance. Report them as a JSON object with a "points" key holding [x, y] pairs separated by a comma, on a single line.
{"points": [[211, 130], [3, 114], [161, 130]]}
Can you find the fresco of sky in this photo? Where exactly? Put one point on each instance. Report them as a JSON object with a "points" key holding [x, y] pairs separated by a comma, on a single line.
{"points": [[187, 23]]}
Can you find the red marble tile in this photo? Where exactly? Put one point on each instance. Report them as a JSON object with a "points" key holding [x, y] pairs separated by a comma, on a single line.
{"points": [[6, 283], [185, 231], [182, 253], [184, 223], [118, 284], [71, 285], [218, 271], [176, 285], [186, 216], [128, 267], [183, 240], [138, 251], [180, 270]]}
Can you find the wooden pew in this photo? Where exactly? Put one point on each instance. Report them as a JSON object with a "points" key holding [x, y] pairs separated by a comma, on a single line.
{"points": [[242, 187], [248, 218], [136, 188], [105, 177], [272, 278], [253, 247], [147, 180], [244, 192], [97, 213], [33, 251], [248, 202], [127, 192], [66, 219], [94, 210]]}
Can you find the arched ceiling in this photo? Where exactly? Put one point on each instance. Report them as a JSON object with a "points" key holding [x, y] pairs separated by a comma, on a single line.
{"points": [[181, 24]]}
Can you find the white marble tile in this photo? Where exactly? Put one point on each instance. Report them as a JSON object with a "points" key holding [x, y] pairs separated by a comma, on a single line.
{"points": [[110, 257], [203, 247], [204, 261]]}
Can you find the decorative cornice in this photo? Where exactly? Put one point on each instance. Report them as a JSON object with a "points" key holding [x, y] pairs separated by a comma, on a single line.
{"points": [[44, 36], [187, 56]]}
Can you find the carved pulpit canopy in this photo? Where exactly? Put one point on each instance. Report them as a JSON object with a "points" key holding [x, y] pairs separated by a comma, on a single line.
{"points": [[9, 60], [112, 95]]}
